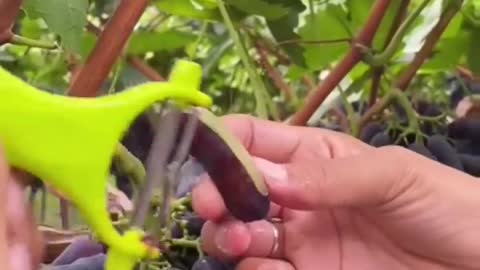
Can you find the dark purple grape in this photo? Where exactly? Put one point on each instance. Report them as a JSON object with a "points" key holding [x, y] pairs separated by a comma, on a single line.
{"points": [[95, 262], [465, 129], [194, 223], [209, 263], [467, 147], [471, 164], [370, 130], [421, 149], [176, 231], [444, 151], [381, 139], [80, 248]]}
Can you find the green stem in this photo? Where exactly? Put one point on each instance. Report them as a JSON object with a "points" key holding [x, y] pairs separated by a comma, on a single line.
{"points": [[130, 165], [413, 125], [19, 40], [184, 243], [260, 90], [382, 58]]}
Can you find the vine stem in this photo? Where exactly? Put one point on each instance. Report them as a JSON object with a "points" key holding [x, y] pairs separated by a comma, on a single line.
{"points": [[272, 72], [19, 40], [260, 90], [109, 46], [378, 72], [365, 37], [430, 42], [9, 10]]}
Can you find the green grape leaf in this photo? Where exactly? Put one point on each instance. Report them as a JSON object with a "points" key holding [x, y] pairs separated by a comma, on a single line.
{"points": [[448, 53], [473, 57], [66, 18], [325, 25], [271, 11], [142, 42], [186, 8]]}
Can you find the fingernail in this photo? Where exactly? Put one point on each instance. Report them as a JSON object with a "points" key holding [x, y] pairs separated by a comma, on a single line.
{"points": [[232, 239], [272, 171]]}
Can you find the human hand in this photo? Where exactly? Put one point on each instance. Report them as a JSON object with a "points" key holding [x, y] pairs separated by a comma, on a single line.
{"points": [[21, 244], [344, 205]]}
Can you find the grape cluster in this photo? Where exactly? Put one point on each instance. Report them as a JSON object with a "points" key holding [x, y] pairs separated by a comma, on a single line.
{"points": [[437, 133]]}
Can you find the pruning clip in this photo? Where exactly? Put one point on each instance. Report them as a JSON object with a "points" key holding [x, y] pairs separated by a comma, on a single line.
{"points": [[69, 142]]}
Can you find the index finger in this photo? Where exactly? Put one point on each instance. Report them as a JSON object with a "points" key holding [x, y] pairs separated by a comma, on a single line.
{"points": [[265, 139]]}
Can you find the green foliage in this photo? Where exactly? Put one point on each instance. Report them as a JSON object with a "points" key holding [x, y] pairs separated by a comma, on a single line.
{"points": [[65, 18]]}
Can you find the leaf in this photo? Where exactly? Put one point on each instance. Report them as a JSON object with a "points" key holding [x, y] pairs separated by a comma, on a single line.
{"points": [[283, 30], [185, 8], [142, 42], [270, 11], [323, 26], [473, 57], [448, 52], [65, 18]]}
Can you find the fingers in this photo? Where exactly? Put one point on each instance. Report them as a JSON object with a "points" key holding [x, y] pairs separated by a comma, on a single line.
{"points": [[263, 264], [274, 141], [372, 178], [233, 239]]}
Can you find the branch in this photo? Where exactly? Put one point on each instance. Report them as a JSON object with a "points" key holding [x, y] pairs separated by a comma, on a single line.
{"points": [[365, 37], [378, 73], [134, 61], [109, 46], [145, 69], [8, 14], [272, 72], [428, 46]]}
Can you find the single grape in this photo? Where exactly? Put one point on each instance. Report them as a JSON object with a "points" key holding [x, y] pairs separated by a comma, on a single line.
{"points": [[209, 263], [95, 262], [465, 129], [422, 150], [381, 139], [80, 248], [471, 164], [176, 231], [444, 151], [467, 147], [370, 130], [194, 223]]}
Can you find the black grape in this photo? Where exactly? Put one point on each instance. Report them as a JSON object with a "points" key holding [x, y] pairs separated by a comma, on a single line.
{"points": [[370, 130], [422, 150], [96, 262], [209, 263], [444, 151], [194, 223], [82, 247], [471, 164], [465, 129], [381, 139], [176, 231], [467, 147]]}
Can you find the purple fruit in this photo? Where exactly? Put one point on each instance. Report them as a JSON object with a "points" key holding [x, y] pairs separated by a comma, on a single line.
{"points": [[80, 248], [96, 262]]}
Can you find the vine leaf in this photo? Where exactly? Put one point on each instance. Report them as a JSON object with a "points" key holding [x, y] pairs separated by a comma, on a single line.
{"points": [[473, 57], [142, 42], [324, 25], [65, 18]]}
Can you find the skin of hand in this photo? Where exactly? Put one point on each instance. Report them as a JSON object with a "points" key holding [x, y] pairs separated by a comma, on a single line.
{"points": [[344, 205], [21, 244]]}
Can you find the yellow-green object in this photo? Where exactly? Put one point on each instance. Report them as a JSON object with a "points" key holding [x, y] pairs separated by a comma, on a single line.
{"points": [[69, 142]]}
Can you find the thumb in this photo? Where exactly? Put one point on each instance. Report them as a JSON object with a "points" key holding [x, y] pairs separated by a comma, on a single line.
{"points": [[371, 178]]}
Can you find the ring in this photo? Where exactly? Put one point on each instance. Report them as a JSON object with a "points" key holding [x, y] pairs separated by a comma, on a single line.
{"points": [[276, 237]]}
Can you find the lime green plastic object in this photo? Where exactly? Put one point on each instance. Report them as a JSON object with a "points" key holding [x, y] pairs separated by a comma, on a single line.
{"points": [[69, 142]]}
